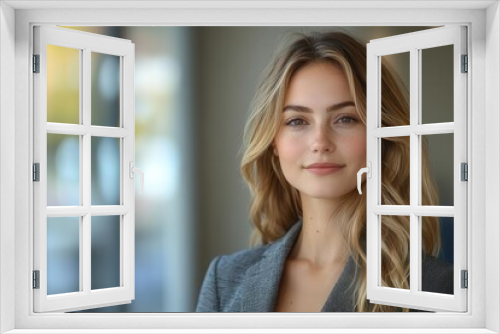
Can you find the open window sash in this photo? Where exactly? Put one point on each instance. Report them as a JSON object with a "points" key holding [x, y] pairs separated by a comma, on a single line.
{"points": [[414, 43], [84, 297]]}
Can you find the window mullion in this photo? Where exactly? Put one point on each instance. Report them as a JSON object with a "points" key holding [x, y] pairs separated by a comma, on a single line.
{"points": [[80, 130], [86, 167], [419, 129], [85, 265], [122, 183], [414, 169], [418, 134], [431, 129]]}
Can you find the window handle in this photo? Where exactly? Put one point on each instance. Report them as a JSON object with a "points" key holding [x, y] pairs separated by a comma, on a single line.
{"points": [[133, 170], [368, 171]]}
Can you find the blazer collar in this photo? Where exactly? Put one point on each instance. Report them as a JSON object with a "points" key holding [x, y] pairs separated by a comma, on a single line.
{"points": [[262, 280]]}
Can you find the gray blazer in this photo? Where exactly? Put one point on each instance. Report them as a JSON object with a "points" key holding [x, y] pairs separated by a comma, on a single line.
{"points": [[249, 280]]}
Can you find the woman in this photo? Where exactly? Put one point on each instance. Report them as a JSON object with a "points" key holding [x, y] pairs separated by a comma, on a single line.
{"points": [[305, 140]]}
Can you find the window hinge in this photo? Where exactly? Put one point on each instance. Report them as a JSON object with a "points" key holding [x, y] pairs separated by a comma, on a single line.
{"points": [[465, 279], [36, 279], [465, 64], [36, 172], [465, 171], [36, 63]]}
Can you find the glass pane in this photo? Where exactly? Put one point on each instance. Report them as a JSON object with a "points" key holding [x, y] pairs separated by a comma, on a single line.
{"points": [[105, 250], [395, 90], [395, 171], [105, 89], [395, 251], [105, 171], [437, 265], [437, 84], [437, 170], [63, 85], [63, 255], [63, 170]]}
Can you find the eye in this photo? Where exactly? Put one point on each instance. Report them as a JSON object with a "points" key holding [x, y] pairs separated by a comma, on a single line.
{"points": [[295, 122], [347, 120]]}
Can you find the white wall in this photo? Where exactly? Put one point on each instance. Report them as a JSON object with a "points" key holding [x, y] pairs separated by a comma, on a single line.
{"points": [[7, 160], [492, 158]]}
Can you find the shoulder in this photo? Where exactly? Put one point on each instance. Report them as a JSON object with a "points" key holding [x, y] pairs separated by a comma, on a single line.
{"points": [[437, 276], [231, 280], [225, 277], [236, 264]]}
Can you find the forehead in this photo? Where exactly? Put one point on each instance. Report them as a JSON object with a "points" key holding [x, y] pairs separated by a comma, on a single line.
{"points": [[319, 80]]}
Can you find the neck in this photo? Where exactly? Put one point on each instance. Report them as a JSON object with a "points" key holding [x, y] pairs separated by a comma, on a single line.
{"points": [[320, 241]]}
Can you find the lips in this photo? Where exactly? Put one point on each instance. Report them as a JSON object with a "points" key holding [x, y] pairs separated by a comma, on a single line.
{"points": [[324, 168], [323, 165]]}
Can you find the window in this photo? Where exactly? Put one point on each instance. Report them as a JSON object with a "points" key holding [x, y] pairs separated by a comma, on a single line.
{"points": [[484, 102], [92, 149], [419, 45]]}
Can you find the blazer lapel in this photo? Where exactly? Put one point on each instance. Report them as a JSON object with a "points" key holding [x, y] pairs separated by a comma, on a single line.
{"points": [[341, 299], [262, 280]]}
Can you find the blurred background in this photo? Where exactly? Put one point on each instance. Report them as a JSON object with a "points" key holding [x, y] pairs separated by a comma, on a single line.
{"points": [[193, 89]]}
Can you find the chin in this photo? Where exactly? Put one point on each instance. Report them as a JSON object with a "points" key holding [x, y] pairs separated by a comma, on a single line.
{"points": [[325, 195]]}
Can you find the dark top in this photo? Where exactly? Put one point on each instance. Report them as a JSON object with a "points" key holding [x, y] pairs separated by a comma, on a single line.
{"points": [[249, 280]]}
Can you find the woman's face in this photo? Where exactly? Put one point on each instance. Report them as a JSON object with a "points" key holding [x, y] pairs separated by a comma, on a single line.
{"points": [[321, 143]]}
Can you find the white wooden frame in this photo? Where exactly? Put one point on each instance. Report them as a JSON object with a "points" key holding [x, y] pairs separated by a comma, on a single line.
{"points": [[414, 43], [86, 43], [16, 19]]}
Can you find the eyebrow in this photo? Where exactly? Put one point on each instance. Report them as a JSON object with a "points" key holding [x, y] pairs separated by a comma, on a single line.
{"points": [[329, 109]]}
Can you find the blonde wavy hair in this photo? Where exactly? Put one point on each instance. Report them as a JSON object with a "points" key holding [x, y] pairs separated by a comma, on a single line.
{"points": [[276, 205]]}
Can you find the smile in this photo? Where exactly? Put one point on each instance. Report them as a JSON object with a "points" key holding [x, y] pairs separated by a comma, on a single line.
{"points": [[323, 170]]}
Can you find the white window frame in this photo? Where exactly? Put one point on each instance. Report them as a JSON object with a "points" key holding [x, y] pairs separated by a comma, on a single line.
{"points": [[16, 21], [414, 43], [85, 43]]}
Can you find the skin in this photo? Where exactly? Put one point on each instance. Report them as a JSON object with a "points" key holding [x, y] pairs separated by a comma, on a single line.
{"points": [[310, 133]]}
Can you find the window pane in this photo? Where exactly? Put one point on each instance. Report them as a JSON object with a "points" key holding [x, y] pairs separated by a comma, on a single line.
{"points": [[437, 84], [63, 255], [105, 89], [437, 177], [395, 90], [63, 85], [395, 171], [105, 171], [63, 170], [441, 279], [105, 250], [395, 252]]}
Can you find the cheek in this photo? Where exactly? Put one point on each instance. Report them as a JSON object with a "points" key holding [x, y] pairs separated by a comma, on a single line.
{"points": [[288, 148], [356, 147]]}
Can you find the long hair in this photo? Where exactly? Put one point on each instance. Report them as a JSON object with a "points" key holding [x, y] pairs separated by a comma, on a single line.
{"points": [[276, 205]]}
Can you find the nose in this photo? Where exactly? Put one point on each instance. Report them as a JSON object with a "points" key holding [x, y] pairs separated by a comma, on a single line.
{"points": [[322, 140]]}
